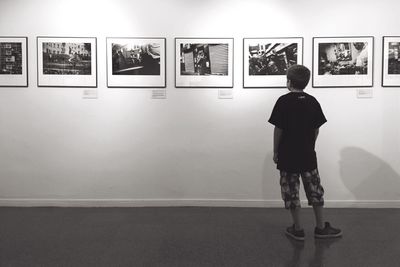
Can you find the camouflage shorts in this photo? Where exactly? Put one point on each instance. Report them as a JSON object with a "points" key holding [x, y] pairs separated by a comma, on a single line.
{"points": [[290, 184]]}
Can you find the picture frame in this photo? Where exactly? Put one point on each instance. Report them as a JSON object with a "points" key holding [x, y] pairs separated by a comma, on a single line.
{"points": [[134, 62], [390, 61], [13, 61], [266, 60], [67, 61], [343, 62], [204, 62]]}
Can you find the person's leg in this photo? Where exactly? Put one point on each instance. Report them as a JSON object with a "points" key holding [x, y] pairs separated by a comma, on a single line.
{"points": [[295, 212], [290, 184], [314, 192], [319, 216]]}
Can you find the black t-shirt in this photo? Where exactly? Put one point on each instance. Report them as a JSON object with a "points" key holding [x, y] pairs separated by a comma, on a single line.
{"points": [[298, 114]]}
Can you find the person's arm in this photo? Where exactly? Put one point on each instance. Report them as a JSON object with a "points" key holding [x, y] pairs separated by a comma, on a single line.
{"points": [[316, 134], [277, 140]]}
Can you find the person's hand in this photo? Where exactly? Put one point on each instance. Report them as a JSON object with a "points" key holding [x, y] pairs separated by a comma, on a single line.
{"points": [[275, 158]]}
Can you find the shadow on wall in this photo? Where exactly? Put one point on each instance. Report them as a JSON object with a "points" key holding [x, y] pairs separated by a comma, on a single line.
{"points": [[367, 176]]}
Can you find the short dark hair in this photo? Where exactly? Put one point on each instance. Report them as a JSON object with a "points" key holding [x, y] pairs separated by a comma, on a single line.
{"points": [[299, 76]]}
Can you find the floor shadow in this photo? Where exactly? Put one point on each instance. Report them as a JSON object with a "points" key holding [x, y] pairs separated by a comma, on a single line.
{"points": [[367, 176], [321, 251], [300, 256], [296, 253]]}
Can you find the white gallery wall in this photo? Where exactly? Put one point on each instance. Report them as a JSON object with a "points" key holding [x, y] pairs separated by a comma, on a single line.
{"points": [[192, 148]]}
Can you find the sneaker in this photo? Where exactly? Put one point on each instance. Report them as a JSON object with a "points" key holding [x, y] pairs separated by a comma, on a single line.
{"points": [[327, 232], [295, 234]]}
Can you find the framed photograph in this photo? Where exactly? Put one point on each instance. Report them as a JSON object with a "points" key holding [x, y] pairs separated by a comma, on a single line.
{"points": [[204, 62], [343, 61], [266, 60], [136, 62], [391, 61], [13, 62], [67, 61]]}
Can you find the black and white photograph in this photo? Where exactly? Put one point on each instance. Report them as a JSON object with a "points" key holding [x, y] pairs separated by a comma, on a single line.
{"points": [[67, 58], [343, 62], [67, 62], [391, 61], [136, 62], [204, 59], [10, 58], [393, 58], [343, 58], [13, 62], [266, 60], [204, 62], [190, 133]]}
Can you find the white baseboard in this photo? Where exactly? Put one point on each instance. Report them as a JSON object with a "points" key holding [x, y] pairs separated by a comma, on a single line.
{"points": [[25, 202]]}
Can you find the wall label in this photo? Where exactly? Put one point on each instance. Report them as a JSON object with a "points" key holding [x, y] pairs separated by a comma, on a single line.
{"points": [[90, 94], [159, 94], [364, 93], [225, 94]]}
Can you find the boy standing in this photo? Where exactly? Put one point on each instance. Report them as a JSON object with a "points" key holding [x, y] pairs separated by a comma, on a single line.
{"points": [[297, 117]]}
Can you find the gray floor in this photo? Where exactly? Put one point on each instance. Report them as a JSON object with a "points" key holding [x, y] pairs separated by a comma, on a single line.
{"points": [[192, 237]]}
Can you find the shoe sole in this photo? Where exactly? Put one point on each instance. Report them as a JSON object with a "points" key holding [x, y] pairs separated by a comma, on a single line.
{"points": [[294, 237], [328, 236]]}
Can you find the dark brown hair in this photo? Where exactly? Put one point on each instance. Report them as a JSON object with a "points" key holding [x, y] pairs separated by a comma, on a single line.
{"points": [[299, 76]]}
